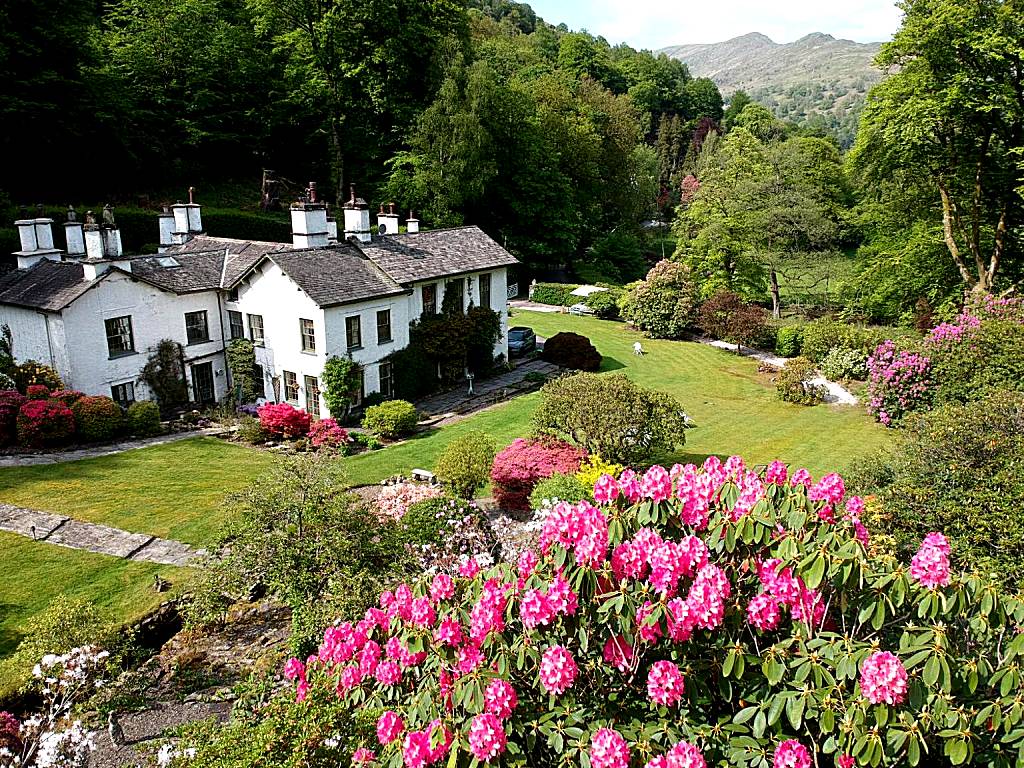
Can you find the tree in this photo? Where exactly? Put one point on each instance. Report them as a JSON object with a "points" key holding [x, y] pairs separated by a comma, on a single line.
{"points": [[737, 102], [611, 416], [164, 374], [341, 380], [662, 305], [241, 355], [952, 110], [728, 317]]}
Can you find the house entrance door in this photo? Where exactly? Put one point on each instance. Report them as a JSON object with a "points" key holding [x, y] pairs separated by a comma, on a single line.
{"points": [[203, 391]]}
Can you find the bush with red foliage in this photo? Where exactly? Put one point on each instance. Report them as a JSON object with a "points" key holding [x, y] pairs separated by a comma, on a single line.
{"points": [[67, 396], [11, 401], [37, 392], [728, 317], [98, 418], [281, 420], [519, 468], [45, 423], [327, 433], [570, 350]]}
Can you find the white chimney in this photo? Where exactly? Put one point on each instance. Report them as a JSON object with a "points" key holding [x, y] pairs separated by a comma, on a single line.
{"points": [[36, 242], [412, 224], [102, 241], [166, 222], [74, 235], [188, 219], [309, 221], [332, 228], [357, 218], [388, 220]]}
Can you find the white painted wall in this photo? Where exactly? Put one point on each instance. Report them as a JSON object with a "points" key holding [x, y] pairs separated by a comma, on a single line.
{"points": [[29, 328]]}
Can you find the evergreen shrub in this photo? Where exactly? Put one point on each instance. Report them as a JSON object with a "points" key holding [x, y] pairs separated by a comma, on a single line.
{"points": [[571, 350], [97, 418], [391, 419], [144, 419]]}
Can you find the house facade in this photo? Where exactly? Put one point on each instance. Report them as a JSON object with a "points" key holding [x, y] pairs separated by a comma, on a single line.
{"points": [[96, 315]]}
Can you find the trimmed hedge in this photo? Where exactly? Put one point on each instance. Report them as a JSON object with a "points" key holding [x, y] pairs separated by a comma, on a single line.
{"points": [[571, 350], [144, 419], [558, 294], [98, 418], [789, 341], [391, 419]]}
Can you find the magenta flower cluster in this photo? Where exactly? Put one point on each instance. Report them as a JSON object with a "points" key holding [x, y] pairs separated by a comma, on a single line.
{"points": [[930, 566], [899, 381], [883, 679]]}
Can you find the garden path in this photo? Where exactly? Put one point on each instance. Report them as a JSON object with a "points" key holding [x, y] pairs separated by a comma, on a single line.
{"points": [[67, 532], [33, 459]]}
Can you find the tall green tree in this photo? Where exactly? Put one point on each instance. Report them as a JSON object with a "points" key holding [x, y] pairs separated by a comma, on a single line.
{"points": [[952, 110]]}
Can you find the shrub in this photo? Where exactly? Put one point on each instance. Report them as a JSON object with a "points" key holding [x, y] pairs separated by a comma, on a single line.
{"points": [[571, 350], [483, 329], [31, 373], [365, 439], [144, 419], [281, 420], [899, 381], [391, 419], [959, 469], [605, 304], [37, 392], [662, 305], [592, 469], [164, 375], [680, 611], [823, 335], [251, 431], [465, 464], [793, 383], [520, 466], [327, 434], [610, 415], [241, 356], [728, 317], [558, 487], [788, 341], [97, 418], [559, 294], [395, 499], [44, 423], [67, 396], [340, 381], [7, 382], [10, 403], [415, 374], [845, 363]]}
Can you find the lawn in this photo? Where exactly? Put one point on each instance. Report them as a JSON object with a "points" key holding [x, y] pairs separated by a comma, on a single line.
{"points": [[121, 588], [173, 491]]}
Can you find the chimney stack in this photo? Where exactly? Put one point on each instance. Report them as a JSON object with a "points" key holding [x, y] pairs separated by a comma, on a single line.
{"points": [[166, 223], [103, 240], [388, 220], [332, 227], [412, 224], [74, 235], [36, 241], [357, 217], [188, 220], [309, 221]]}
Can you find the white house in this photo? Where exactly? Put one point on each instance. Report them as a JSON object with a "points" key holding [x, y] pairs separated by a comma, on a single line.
{"points": [[94, 314]]}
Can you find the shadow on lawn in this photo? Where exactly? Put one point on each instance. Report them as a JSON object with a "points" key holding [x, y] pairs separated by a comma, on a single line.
{"points": [[610, 364]]}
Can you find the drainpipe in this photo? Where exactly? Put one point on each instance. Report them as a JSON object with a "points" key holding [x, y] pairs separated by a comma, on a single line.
{"points": [[49, 341], [224, 350]]}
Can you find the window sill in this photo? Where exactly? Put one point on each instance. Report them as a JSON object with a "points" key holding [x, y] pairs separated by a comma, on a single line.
{"points": [[119, 355], [355, 349], [259, 343], [310, 352], [384, 342], [197, 342]]}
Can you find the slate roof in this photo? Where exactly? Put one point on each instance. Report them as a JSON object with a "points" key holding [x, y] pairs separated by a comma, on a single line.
{"points": [[338, 274], [437, 253], [46, 285], [242, 255]]}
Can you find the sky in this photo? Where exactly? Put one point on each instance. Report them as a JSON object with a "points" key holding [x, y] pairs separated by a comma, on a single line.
{"points": [[658, 23]]}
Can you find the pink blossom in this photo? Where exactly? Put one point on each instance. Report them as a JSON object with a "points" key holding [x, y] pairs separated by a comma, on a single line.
{"points": [[606, 489], [801, 477], [557, 670], [389, 727], [628, 561], [527, 564], [734, 467], [682, 755], [608, 749], [422, 613], [449, 632], [791, 754], [362, 756], [470, 658], [561, 596], [487, 737], [416, 751], [442, 588], [845, 761], [618, 653], [500, 699], [656, 484], [930, 566], [681, 620], [707, 597], [629, 485], [763, 612], [883, 678], [443, 744], [665, 683], [776, 474], [469, 568], [648, 631], [535, 609], [294, 669], [388, 673]]}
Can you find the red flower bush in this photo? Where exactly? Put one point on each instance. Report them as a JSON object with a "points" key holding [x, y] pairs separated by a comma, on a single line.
{"points": [[626, 640], [10, 403], [67, 396], [519, 468], [281, 420], [45, 423], [326, 432], [37, 392]]}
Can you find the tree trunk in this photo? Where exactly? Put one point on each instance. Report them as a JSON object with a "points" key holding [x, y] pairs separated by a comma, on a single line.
{"points": [[773, 276], [338, 162]]}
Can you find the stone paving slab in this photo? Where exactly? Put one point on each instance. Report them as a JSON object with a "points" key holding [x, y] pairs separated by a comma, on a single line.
{"points": [[101, 539], [29, 522], [166, 552]]}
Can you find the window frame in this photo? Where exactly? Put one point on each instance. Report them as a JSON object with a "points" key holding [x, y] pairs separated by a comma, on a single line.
{"points": [[130, 390], [205, 327], [457, 284], [234, 314], [388, 393], [432, 308], [308, 338], [390, 331], [314, 392], [482, 280], [259, 381], [355, 321], [130, 348], [290, 385], [252, 334]]}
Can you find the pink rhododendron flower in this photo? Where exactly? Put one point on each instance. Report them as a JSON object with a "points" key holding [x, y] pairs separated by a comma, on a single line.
{"points": [[801, 477], [562, 598], [443, 740], [442, 588], [388, 673], [680, 620], [618, 653], [791, 754], [629, 485], [930, 566], [422, 612], [665, 683], [606, 489], [535, 609], [500, 699], [294, 669], [416, 751], [486, 737], [469, 568], [883, 678], [362, 756], [763, 612], [776, 474], [682, 755], [656, 484], [646, 630], [527, 563], [557, 670], [830, 488], [707, 596], [470, 658], [628, 561], [608, 749], [389, 727], [845, 761], [448, 632]]}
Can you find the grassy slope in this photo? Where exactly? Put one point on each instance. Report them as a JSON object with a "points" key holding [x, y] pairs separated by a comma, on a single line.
{"points": [[174, 491]]}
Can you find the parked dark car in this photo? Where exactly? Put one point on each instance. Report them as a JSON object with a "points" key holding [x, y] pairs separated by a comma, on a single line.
{"points": [[521, 340]]}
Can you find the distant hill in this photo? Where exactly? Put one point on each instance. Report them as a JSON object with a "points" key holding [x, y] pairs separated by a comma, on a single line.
{"points": [[816, 79]]}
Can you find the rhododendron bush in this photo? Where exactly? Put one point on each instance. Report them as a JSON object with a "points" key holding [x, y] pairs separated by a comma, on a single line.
{"points": [[691, 617]]}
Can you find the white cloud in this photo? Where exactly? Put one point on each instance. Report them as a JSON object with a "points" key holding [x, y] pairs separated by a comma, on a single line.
{"points": [[657, 23]]}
